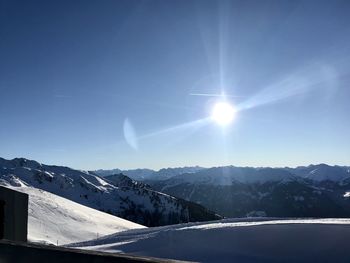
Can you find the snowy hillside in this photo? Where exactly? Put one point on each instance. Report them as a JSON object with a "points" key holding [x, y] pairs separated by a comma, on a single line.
{"points": [[231, 240], [53, 219], [125, 198]]}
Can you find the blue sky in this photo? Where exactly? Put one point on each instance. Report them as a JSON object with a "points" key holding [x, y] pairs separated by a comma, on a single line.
{"points": [[105, 84]]}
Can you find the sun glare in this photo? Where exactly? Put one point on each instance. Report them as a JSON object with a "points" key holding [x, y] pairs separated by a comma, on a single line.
{"points": [[223, 113]]}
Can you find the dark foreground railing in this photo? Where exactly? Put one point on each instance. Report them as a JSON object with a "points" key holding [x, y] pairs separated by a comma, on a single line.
{"points": [[19, 252]]}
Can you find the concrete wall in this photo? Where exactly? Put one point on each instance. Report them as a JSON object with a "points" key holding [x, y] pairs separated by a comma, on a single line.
{"points": [[15, 217]]}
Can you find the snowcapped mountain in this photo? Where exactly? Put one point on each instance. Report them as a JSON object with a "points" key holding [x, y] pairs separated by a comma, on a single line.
{"points": [[124, 182], [322, 172], [226, 174], [147, 174], [136, 174], [314, 191], [232, 240], [167, 173], [120, 196], [53, 219], [103, 173], [230, 174]]}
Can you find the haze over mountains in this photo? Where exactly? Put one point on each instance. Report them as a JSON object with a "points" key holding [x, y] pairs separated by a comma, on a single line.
{"points": [[319, 172], [306, 191], [149, 174], [178, 195]]}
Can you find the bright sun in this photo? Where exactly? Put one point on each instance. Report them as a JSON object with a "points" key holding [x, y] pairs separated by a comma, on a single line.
{"points": [[223, 113]]}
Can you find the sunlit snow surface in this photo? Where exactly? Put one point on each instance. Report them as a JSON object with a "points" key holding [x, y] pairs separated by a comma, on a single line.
{"points": [[234, 240], [56, 220]]}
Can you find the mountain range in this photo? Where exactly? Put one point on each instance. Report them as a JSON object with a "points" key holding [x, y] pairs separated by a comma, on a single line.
{"points": [[117, 195], [148, 174], [176, 195], [312, 191], [306, 191]]}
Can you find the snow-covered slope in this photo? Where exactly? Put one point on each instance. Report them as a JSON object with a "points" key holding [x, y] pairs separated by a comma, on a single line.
{"points": [[272, 240], [53, 219], [131, 201], [322, 172]]}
